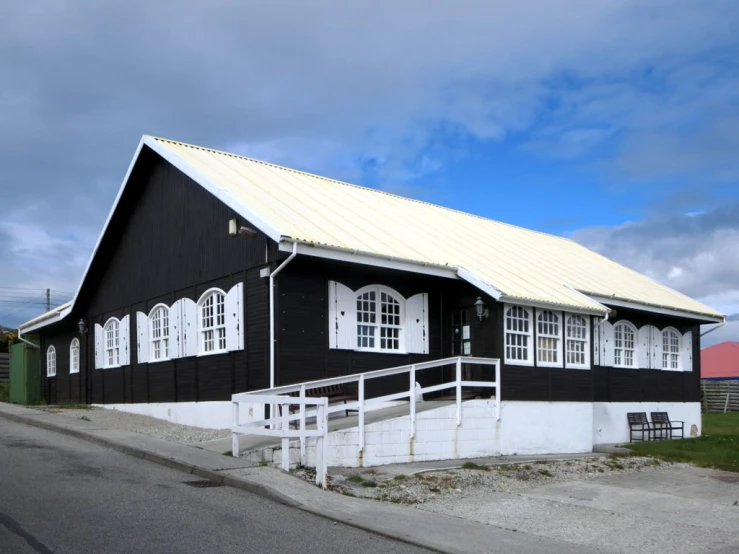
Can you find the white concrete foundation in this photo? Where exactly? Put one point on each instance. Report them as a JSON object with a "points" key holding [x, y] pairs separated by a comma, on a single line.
{"points": [[609, 418], [546, 427], [208, 415]]}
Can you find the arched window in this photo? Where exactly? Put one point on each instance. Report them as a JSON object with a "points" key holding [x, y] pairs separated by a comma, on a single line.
{"points": [[624, 344], [159, 333], [379, 319], [518, 336], [670, 349], [213, 322], [548, 338], [51, 361], [577, 350], [74, 356], [111, 334]]}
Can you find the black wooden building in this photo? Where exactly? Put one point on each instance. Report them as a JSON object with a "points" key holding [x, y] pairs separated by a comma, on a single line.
{"points": [[175, 303]]}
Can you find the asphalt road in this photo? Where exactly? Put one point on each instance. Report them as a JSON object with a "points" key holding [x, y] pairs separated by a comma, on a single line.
{"points": [[59, 494]]}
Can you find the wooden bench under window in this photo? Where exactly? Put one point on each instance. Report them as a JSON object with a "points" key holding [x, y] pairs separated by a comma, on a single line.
{"points": [[667, 429], [334, 393], [639, 424]]}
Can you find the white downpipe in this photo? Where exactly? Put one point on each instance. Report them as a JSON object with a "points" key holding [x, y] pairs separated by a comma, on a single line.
{"points": [[272, 314], [28, 342], [608, 313]]}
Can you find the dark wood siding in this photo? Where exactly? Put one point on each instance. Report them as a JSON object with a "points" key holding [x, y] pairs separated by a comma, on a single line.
{"points": [[169, 240], [64, 388]]}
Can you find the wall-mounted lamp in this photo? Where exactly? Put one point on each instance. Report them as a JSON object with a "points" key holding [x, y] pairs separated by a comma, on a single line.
{"points": [[82, 326], [481, 309], [235, 229], [248, 231]]}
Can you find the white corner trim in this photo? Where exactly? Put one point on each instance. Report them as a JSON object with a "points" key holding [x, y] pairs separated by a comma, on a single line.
{"points": [[475, 281]]}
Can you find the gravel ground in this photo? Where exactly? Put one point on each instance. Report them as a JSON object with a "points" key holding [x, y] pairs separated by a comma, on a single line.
{"points": [[145, 425], [440, 487]]}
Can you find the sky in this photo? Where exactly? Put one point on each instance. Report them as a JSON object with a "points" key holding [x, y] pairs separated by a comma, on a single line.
{"points": [[615, 123]]}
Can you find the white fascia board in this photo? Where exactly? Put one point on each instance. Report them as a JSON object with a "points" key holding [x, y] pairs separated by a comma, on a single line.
{"points": [[554, 306], [213, 187], [657, 309], [478, 283], [366, 258], [51, 318]]}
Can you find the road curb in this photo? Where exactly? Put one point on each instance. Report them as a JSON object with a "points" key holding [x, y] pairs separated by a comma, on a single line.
{"points": [[226, 480]]}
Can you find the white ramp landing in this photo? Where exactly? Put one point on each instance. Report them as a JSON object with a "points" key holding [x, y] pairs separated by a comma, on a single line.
{"points": [[389, 439]]}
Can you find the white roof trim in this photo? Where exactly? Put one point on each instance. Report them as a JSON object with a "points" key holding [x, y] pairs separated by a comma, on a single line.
{"points": [[214, 188], [365, 258], [52, 316], [618, 303], [555, 307], [472, 279]]}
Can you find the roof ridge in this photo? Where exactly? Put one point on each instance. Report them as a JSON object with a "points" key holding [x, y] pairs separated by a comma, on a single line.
{"points": [[345, 183]]}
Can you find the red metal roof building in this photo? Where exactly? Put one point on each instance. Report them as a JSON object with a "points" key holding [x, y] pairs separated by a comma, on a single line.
{"points": [[720, 361]]}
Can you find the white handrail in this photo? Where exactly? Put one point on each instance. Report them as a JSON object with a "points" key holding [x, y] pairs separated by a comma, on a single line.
{"points": [[278, 424]]}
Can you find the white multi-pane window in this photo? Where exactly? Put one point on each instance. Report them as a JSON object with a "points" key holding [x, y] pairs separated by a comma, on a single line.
{"points": [[670, 349], [624, 344], [51, 361], [74, 356], [379, 320], [576, 341], [213, 323], [548, 339], [159, 334], [112, 343], [518, 342]]}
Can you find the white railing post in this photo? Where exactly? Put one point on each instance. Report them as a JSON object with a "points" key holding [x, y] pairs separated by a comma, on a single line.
{"points": [[302, 426], [459, 391], [497, 390], [360, 423], [285, 440], [413, 400], [234, 434], [322, 444]]}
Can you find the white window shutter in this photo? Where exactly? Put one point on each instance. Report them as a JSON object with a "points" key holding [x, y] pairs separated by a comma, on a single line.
{"points": [[596, 341], [686, 353], [234, 318], [606, 335], [188, 327], [124, 343], [643, 342], [416, 324], [175, 330], [142, 338], [655, 347], [99, 349], [342, 309]]}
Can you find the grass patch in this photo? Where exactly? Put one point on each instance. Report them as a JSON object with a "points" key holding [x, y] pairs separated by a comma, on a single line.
{"points": [[85, 418], [356, 479], [262, 464], [545, 473], [400, 477], [4, 391], [718, 447], [434, 489], [473, 465], [370, 472], [369, 483], [348, 493], [527, 467]]}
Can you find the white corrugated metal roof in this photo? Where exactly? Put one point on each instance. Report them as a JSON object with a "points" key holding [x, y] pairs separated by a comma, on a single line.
{"points": [[52, 316], [521, 263]]}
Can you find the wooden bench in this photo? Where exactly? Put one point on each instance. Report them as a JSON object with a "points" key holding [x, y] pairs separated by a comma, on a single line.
{"points": [[638, 423], [334, 393], [661, 422]]}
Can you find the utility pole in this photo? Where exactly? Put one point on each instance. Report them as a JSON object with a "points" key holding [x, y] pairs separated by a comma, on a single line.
{"points": [[48, 299]]}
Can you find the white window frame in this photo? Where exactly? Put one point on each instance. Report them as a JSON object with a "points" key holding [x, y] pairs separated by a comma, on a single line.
{"points": [[677, 353], [74, 356], [557, 337], [377, 324], [530, 334], [112, 347], [567, 338], [156, 310], [635, 357], [51, 361], [220, 345]]}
